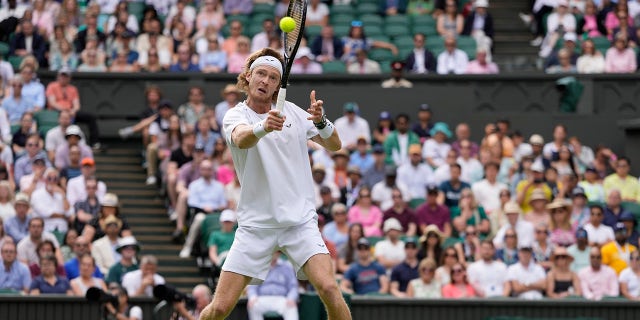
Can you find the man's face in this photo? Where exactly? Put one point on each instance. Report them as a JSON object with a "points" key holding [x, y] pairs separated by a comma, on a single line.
{"points": [[462, 132], [35, 229], [596, 216], [524, 256], [21, 209], [402, 125], [148, 269], [206, 169], [128, 252], [595, 258], [318, 176], [614, 199], [263, 83], [455, 173], [622, 168], [8, 253], [364, 252], [27, 28], [418, 41], [486, 251], [450, 45], [201, 299], [327, 32], [621, 235], [64, 79], [88, 170], [81, 246]]}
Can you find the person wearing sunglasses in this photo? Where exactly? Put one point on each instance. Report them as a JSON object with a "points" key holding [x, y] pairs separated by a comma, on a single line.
{"points": [[408, 270], [525, 279], [598, 280], [487, 275], [580, 251], [599, 234], [616, 254], [630, 278], [426, 286], [365, 275], [561, 281], [459, 286]]}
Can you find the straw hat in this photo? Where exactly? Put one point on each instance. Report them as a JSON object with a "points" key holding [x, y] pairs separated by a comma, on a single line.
{"points": [[432, 228], [561, 251]]}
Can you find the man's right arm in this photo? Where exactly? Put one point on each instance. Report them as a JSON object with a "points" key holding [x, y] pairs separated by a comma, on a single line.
{"points": [[245, 136]]}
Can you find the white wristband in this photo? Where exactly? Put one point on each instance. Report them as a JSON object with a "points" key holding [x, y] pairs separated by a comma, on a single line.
{"points": [[327, 131], [258, 129]]}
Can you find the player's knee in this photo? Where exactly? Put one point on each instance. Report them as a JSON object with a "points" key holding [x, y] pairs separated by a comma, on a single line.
{"points": [[220, 310], [327, 288]]}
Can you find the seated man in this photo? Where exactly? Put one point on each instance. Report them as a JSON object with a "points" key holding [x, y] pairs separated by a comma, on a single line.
{"points": [[77, 187], [488, 275], [56, 135], [26, 248], [278, 293], [17, 227], [359, 279], [220, 241], [102, 250], [141, 282], [72, 267], [390, 251], [598, 280], [127, 248], [14, 275], [73, 136], [525, 279], [187, 174], [406, 271], [206, 195], [615, 254]]}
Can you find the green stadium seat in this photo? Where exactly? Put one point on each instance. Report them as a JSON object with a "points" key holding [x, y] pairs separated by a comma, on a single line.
{"points": [[399, 19], [427, 30], [364, 8], [46, 119], [381, 37], [385, 66], [258, 18], [335, 67], [342, 9], [59, 235], [263, 8], [312, 31], [468, 45], [136, 9], [341, 19], [376, 2], [242, 18], [402, 55], [4, 49], [371, 20], [341, 30], [602, 44], [15, 62], [211, 223], [254, 29], [396, 30], [424, 20], [374, 240], [381, 55], [403, 41], [434, 41], [373, 31]]}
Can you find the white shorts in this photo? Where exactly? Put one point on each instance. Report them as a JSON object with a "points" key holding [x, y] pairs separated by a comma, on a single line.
{"points": [[252, 249]]}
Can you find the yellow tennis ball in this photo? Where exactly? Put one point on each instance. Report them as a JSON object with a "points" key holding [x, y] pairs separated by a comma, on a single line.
{"points": [[287, 24]]}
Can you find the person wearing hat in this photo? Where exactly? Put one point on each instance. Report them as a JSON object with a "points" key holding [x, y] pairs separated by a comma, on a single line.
{"points": [[320, 179], [383, 127], [109, 206], [435, 149], [128, 248], [376, 172], [433, 213], [592, 185], [327, 203], [539, 212], [561, 231], [35, 180], [17, 226], [397, 80], [304, 63], [407, 270], [555, 62], [562, 282], [359, 278], [56, 136], [579, 208], [615, 254], [73, 137], [559, 22], [102, 249], [230, 97], [349, 193], [598, 233], [381, 193], [351, 126], [63, 96], [390, 251], [398, 153], [416, 175], [598, 280], [523, 228], [220, 241], [525, 278], [76, 187], [537, 146], [630, 223], [526, 188], [340, 163], [580, 250]]}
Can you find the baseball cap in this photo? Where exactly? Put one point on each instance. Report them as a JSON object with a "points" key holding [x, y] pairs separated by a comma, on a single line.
{"points": [[64, 70], [39, 158], [88, 162], [590, 169], [536, 139], [626, 216], [325, 190], [73, 130], [356, 23], [22, 198], [109, 200], [354, 169], [525, 247], [128, 34], [363, 242], [511, 207], [537, 167], [390, 171], [581, 233], [384, 115], [619, 227], [481, 4], [341, 153], [377, 149], [318, 167], [578, 191], [199, 147], [165, 104], [424, 107], [410, 241], [391, 224], [227, 215], [570, 36], [431, 189], [350, 107]]}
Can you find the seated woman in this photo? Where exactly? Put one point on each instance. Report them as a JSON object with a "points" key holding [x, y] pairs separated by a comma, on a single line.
{"points": [[561, 281], [86, 280], [450, 23], [426, 286], [468, 213], [630, 278], [109, 206], [357, 39], [44, 249], [367, 214], [49, 282], [459, 286]]}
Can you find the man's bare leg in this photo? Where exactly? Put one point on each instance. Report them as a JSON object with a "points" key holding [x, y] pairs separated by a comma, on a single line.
{"points": [[224, 300], [319, 270]]}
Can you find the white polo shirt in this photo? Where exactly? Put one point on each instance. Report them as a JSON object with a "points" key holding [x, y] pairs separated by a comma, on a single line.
{"points": [[488, 276], [526, 275], [601, 234]]}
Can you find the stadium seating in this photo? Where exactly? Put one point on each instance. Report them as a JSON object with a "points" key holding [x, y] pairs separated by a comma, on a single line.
{"points": [[334, 67], [46, 119]]}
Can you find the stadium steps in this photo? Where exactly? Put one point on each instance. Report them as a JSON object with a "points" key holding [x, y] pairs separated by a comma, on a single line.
{"points": [[512, 51], [119, 167]]}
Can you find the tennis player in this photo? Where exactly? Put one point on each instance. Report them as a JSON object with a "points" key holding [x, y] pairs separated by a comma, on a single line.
{"points": [[277, 206]]}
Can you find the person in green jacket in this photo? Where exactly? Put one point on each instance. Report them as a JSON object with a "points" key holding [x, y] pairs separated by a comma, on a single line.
{"points": [[396, 146]]}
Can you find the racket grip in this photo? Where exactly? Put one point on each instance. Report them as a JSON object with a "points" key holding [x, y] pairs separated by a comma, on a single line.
{"points": [[282, 96]]}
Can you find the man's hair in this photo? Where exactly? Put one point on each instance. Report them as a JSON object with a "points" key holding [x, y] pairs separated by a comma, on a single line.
{"points": [[243, 83], [492, 164], [488, 242], [205, 289], [36, 219], [152, 88], [456, 165], [401, 116], [623, 158], [148, 259]]}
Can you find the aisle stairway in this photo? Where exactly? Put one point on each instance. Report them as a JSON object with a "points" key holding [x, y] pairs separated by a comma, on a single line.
{"points": [[119, 167], [512, 51]]}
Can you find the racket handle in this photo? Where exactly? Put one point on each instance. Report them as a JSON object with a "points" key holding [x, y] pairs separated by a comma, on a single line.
{"points": [[282, 96]]}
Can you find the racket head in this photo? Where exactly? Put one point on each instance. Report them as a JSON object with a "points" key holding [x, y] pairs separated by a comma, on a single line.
{"points": [[298, 11]]}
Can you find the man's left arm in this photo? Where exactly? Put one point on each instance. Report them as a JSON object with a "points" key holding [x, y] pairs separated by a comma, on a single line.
{"points": [[328, 135], [75, 104]]}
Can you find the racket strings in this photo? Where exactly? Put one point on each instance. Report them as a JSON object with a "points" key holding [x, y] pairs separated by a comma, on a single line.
{"points": [[297, 13]]}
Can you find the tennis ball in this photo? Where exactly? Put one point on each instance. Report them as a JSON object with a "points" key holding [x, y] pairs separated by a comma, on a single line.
{"points": [[287, 24]]}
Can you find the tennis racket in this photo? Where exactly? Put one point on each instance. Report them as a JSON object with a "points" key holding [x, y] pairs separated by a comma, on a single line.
{"points": [[298, 11]]}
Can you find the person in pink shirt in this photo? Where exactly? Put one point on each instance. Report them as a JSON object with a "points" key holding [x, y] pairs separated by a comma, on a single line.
{"points": [[480, 65], [365, 213], [598, 280], [459, 286], [590, 23], [620, 58], [237, 59], [612, 20]]}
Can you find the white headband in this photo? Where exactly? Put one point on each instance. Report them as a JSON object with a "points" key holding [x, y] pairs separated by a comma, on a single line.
{"points": [[267, 61]]}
